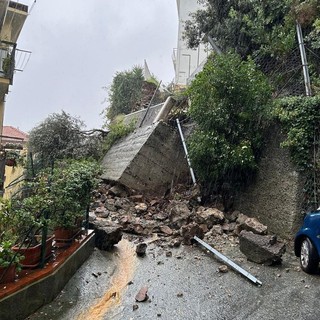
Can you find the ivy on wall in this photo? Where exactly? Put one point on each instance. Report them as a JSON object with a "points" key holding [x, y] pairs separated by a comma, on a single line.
{"points": [[300, 119]]}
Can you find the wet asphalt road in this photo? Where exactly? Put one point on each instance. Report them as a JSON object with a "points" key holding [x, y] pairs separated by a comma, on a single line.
{"points": [[187, 286]]}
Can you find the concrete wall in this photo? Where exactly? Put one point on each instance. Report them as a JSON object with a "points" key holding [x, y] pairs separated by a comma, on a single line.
{"points": [[148, 160], [137, 116], [186, 60], [276, 196]]}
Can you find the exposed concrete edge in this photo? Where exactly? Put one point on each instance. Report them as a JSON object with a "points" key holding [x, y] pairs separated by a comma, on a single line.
{"points": [[27, 300]]}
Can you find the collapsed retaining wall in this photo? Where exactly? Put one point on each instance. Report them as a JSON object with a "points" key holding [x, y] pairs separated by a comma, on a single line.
{"points": [[275, 197], [149, 159]]}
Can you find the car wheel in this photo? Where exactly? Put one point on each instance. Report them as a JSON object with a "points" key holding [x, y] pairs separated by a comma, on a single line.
{"points": [[309, 258]]}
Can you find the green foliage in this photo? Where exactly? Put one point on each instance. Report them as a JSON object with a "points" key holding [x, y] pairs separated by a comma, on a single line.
{"points": [[8, 256], [71, 185], [118, 129], [60, 136], [300, 117], [229, 104], [125, 92], [8, 235], [244, 26]]}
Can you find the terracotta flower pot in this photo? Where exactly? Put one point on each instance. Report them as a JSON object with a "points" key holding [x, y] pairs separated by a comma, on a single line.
{"points": [[32, 255], [8, 275], [64, 236]]}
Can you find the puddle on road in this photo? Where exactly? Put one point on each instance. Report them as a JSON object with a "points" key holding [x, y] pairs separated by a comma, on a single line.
{"points": [[125, 269]]}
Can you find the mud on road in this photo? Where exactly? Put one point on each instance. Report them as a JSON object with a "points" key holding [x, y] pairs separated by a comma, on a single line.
{"points": [[184, 283]]}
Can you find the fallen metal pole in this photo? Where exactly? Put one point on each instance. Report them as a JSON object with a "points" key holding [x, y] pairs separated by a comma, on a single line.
{"points": [[229, 262]]}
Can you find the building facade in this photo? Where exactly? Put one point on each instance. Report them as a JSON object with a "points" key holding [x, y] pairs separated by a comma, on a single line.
{"points": [[187, 61], [12, 17]]}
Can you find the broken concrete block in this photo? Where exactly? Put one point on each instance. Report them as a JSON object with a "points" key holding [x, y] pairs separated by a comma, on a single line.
{"points": [[261, 248]]}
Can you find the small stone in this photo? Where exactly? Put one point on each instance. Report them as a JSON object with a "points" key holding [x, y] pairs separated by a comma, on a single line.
{"points": [[158, 314], [135, 307], [142, 295], [130, 283], [141, 249], [278, 275], [94, 274], [180, 294], [223, 268], [168, 254]]}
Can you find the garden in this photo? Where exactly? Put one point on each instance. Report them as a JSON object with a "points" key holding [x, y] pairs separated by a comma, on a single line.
{"points": [[50, 209]]}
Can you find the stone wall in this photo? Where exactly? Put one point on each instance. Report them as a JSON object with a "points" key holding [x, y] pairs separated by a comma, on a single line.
{"points": [[276, 195], [149, 159]]}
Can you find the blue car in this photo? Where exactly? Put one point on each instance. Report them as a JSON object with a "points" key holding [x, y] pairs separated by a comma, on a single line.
{"points": [[307, 242]]}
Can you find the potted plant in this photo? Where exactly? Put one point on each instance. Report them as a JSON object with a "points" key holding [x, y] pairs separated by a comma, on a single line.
{"points": [[9, 260], [71, 186], [32, 216]]}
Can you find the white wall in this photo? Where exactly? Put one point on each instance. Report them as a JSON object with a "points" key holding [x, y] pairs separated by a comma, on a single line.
{"points": [[186, 61]]}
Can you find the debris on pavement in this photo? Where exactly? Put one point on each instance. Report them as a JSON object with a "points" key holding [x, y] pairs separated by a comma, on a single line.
{"points": [[261, 248], [229, 262], [141, 249], [142, 295]]}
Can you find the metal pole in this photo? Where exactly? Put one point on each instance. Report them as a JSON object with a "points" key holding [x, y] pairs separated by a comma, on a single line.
{"points": [[303, 60], [186, 152], [229, 262]]}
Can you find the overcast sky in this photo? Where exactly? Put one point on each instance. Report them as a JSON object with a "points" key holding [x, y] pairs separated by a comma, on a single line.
{"points": [[77, 46]]}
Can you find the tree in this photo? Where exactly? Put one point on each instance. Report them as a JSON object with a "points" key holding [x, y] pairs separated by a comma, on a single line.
{"points": [[60, 136], [247, 26], [229, 101], [125, 92]]}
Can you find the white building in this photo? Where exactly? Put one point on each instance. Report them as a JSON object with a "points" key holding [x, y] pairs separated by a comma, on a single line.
{"points": [[187, 61]]}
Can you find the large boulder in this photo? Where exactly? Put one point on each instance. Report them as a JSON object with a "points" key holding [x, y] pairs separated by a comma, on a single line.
{"points": [[107, 234], [261, 248]]}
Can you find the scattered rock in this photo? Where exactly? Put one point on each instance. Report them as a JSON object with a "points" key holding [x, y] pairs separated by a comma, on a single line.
{"points": [[142, 295], [252, 224], [261, 248], [180, 294], [92, 216], [189, 231], [223, 268], [118, 191], [107, 234], [169, 254], [166, 230], [209, 216], [141, 208], [141, 249], [135, 307], [179, 214]]}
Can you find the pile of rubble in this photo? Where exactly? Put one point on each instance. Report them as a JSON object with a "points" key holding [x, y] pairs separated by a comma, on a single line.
{"points": [[176, 219]]}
